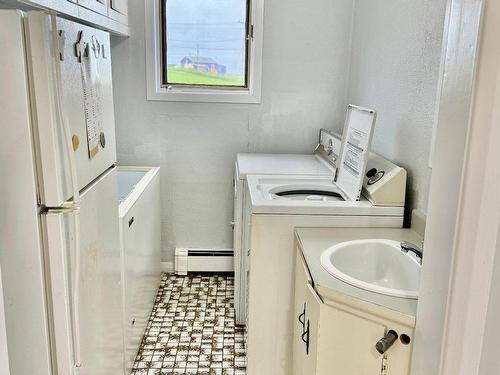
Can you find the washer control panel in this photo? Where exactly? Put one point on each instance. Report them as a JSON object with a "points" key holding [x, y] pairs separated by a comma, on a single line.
{"points": [[329, 146], [384, 183]]}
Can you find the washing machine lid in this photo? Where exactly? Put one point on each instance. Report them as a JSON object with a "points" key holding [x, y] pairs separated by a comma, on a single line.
{"points": [[282, 164], [356, 141]]}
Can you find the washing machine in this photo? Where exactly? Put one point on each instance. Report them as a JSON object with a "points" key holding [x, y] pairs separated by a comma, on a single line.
{"points": [[368, 191], [279, 204], [319, 163]]}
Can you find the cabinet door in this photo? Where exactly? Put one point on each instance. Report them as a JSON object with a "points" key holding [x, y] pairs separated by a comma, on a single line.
{"points": [[118, 11], [305, 327], [98, 6], [120, 6], [347, 344], [299, 319], [311, 335]]}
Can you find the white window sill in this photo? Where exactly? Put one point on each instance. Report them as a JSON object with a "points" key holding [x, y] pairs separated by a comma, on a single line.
{"points": [[203, 95]]}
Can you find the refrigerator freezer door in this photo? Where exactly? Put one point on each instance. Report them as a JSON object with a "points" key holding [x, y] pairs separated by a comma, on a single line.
{"points": [[70, 81], [85, 284]]}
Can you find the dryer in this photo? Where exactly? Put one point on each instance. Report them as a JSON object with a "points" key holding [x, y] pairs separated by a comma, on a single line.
{"points": [[319, 163]]}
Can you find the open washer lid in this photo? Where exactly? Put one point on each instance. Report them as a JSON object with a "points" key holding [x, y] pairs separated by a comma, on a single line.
{"points": [[356, 140]]}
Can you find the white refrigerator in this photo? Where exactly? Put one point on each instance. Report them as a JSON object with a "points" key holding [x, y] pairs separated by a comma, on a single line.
{"points": [[59, 231]]}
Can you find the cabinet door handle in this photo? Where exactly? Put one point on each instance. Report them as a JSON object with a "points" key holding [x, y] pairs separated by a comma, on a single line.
{"points": [[302, 319], [386, 342], [305, 338]]}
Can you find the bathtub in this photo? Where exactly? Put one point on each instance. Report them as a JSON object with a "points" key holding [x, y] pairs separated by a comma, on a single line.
{"points": [[140, 241]]}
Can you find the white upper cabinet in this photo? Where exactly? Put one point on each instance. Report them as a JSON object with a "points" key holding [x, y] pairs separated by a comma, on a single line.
{"points": [[118, 10], [109, 15], [119, 6], [98, 6]]}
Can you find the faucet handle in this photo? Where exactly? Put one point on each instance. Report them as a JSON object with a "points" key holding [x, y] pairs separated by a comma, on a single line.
{"points": [[411, 247]]}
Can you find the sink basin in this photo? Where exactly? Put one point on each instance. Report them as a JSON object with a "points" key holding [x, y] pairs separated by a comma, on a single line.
{"points": [[377, 265]]}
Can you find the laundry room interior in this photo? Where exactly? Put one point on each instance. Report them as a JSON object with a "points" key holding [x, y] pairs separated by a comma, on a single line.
{"points": [[249, 187]]}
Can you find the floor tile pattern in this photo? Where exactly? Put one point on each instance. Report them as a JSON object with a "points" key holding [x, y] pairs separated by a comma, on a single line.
{"points": [[191, 329]]}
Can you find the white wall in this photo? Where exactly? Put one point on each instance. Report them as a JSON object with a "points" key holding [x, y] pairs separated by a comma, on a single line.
{"points": [[306, 48], [394, 69]]}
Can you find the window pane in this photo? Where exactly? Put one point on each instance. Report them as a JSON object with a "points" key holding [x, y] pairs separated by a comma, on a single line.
{"points": [[206, 42]]}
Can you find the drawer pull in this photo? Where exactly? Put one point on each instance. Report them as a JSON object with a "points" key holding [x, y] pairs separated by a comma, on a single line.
{"points": [[302, 317], [131, 221], [305, 338]]}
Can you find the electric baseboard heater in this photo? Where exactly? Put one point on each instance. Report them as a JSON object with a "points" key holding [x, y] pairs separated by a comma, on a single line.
{"points": [[203, 260]]}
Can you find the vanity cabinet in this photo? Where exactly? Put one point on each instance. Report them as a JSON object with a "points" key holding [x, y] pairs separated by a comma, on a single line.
{"points": [[336, 339]]}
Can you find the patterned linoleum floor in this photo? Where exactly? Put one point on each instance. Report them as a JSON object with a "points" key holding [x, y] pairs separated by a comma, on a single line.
{"points": [[191, 329]]}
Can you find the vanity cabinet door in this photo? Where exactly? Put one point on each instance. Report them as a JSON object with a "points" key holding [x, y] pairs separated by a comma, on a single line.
{"points": [[312, 331], [306, 320], [299, 316], [347, 344]]}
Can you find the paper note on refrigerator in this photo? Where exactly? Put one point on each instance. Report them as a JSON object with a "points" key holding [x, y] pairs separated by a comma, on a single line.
{"points": [[92, 99]]}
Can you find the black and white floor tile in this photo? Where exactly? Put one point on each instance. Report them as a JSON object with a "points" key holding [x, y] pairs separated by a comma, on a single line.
{"points": [[191, 329]]}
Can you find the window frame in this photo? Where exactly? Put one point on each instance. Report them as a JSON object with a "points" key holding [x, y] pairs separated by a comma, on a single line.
{"points": [[157, 90], [164, 52]]}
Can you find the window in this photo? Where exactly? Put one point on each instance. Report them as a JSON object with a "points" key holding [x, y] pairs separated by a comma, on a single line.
{"points": [[204, 50], [205, 42]]}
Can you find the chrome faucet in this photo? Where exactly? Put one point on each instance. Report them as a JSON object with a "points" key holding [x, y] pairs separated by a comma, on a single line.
{"points": [[412, 248]]}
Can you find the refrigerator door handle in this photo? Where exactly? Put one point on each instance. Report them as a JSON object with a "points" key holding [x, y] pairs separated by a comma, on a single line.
{"points": [[76, 288], [68, 207]]}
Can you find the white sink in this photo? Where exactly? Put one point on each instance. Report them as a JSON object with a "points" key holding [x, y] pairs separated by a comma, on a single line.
{"points": [[376, 265]]}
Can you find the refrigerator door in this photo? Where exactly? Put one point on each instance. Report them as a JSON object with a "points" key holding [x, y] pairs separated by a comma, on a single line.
{"points": [[85, 283], [72, 103], [21, 254]]}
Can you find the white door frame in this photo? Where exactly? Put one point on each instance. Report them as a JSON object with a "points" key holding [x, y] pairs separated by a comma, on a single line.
{"points": [[4, 355], [463, 212], [479, 212]]}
